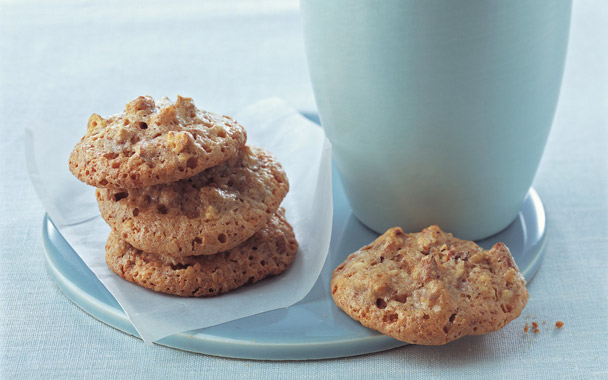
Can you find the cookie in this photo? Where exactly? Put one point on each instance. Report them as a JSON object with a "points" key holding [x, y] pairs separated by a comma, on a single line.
{"points": [[152, 143], [269, 252], [429, 287], [211, 212]]}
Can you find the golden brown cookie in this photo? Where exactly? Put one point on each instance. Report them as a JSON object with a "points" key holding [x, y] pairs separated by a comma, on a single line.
{"points": [[429, 287], [153, 142], [269, 252], [211, 212]]}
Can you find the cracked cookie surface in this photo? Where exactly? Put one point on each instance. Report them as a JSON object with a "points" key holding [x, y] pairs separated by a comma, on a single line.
{"points": [[429, 287], [153, 142], [267, 253], [210, 212]]}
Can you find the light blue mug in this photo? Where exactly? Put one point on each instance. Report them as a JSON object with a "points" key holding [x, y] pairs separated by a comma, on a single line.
{"points": [[438, 110]]}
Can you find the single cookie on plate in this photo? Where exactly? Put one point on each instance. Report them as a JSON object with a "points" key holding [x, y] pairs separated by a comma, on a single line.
{"points": [[269, 252], [153, 142], [211, 212], [429, 287]]}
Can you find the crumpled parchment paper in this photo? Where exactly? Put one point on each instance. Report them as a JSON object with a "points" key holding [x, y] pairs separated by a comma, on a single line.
{"points": [[303, 150]]}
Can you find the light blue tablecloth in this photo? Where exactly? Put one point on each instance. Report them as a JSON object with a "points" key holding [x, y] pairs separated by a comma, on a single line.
{"points": [[65, 60]]}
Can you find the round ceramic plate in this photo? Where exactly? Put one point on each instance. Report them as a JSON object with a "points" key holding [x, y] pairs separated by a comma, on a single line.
{"points": [[314, 328]]}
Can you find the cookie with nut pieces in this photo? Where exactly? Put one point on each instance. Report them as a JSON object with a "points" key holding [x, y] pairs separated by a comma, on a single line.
{"points": [[269, 252], [429, 287], [211, 212], [153, 142]]}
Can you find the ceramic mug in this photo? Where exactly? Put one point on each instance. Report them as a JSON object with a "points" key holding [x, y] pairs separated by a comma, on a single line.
{"points": [[438, 110]]}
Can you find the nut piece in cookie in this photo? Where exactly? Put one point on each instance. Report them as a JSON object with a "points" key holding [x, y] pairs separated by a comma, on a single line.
{"points": [[153, 142], [429, 287], [269, 252], [211, 212]]}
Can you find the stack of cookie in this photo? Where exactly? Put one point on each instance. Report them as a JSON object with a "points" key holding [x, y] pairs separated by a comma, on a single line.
{"points": [[193, 210]]}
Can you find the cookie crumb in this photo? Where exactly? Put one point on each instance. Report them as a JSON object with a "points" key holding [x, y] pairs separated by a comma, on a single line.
{"points": [[559, 324], [526, 327], [534, 325]]}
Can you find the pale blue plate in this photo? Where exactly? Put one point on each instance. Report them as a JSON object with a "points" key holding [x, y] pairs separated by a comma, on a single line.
{"points": [[314, 328]]}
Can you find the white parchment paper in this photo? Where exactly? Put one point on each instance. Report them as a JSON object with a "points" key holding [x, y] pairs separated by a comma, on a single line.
{"points": [[305, 154]]}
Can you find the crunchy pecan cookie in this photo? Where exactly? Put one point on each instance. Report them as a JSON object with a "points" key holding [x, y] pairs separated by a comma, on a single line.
{"points": [[429, 287], [269, 252], [153, 142], [211, 212]]}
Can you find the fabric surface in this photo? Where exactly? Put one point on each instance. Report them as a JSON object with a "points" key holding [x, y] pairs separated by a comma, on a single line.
{"points": [[57, 60]]}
